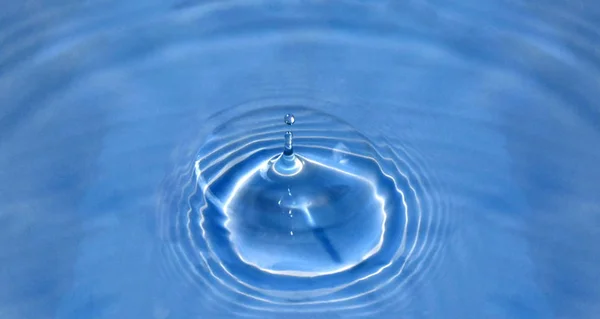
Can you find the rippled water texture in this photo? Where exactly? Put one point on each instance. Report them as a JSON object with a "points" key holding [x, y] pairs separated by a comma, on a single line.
{"points": [[450, 158]]}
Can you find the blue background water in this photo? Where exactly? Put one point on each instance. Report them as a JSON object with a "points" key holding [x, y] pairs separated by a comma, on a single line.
{"points": [[104, 103]]}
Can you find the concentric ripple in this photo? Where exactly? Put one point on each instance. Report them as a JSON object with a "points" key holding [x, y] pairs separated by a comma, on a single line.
{"points": [[488, 110], [235, 240]]}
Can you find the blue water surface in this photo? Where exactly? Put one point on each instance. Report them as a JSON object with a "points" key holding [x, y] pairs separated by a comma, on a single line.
{"points": [[477, 122]]}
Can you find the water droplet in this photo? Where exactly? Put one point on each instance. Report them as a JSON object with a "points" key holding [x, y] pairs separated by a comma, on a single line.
{"points": [[289, 119]]}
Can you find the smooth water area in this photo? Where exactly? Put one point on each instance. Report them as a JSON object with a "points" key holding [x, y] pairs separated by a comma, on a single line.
{"points": [[444, 160]]}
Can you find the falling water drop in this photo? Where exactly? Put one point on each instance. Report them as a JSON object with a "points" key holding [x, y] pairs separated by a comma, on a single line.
{"points": [[289, 119]]}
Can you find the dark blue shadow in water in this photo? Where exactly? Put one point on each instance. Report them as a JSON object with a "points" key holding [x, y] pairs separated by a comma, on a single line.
{"points": [[320, 234]]}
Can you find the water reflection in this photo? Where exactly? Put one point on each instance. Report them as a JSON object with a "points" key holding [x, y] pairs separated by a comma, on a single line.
{"points": [[490, 104]]}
